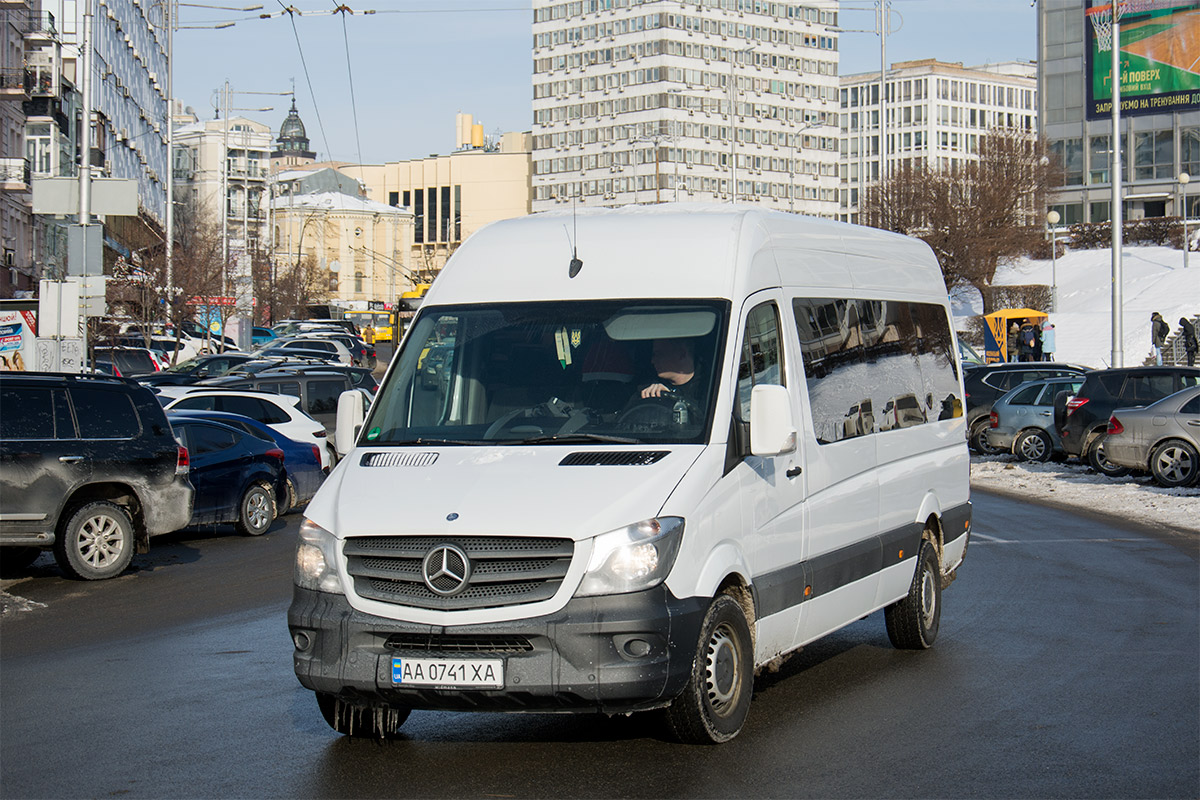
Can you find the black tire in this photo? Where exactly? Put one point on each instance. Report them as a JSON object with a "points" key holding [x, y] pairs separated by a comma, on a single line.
{"points": [[1095, 458], [978, 438], [15, 560], [713, 707], [912, 623], [96, 543], [289, 496], [361, 720], [1174, 463], [1033, 445], [256, 511]]}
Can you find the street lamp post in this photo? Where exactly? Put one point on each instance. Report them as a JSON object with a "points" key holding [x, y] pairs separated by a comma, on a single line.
{"points": [[733, 54], [1183, 182], [1052, 218]]}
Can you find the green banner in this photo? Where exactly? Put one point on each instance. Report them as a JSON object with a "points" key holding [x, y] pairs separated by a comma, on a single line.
{"points": [[1159, 53]]}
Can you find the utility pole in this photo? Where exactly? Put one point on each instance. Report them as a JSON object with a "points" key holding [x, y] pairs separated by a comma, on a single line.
{"points": [[1118, 325], [170, 11]]}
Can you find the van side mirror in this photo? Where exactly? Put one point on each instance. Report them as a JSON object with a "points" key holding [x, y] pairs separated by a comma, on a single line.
{"points": [[772, 428], [351, 413]]}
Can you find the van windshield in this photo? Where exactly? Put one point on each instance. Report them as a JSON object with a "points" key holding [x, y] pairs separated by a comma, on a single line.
{"points": [[548, 373]]}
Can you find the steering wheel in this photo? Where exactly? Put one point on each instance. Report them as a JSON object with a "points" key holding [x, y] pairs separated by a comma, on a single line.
{"points": [[650, 415]]}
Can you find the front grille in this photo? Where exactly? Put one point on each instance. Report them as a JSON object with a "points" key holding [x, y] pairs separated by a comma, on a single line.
{"points": [[481, 645], [505, 570]]}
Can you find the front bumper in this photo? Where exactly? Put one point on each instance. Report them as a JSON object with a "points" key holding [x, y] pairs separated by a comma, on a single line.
{"points": [[611, 654]]}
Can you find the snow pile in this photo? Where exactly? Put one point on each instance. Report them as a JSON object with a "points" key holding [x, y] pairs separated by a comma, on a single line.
{"points": [[1135, 497], [1154, 279]]}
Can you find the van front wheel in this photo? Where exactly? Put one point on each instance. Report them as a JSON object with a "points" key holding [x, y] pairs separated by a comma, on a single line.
{"points": [[912, 623], [713, 707]]}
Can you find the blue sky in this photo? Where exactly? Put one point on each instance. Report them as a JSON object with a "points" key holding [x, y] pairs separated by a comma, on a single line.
{"points": [[417, 63]]}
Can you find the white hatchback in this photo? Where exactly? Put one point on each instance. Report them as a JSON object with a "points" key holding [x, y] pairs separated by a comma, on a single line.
{"points": [[279, 411]]}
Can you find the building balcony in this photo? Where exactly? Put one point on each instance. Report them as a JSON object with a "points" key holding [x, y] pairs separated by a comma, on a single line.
{"points": [[12, 84], [41, 26], [14, 174]]}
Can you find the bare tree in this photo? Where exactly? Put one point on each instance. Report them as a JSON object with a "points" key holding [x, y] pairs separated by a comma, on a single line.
{"points": [[973, 216]]}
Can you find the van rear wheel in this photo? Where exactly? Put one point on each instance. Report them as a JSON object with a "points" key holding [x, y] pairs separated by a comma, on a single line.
{"points": [[912, 623], [713, 707], [361, 720]]}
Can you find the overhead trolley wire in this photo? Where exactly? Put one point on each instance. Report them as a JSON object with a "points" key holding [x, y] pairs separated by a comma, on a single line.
{"points": [[289, 10], [343, 10]]}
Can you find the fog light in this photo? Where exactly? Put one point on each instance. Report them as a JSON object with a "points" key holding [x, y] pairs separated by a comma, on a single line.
{"points": [[637, 648], [301, 640]]}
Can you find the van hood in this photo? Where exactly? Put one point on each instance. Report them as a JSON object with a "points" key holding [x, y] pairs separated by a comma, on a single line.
{"points": [[523, 491]]}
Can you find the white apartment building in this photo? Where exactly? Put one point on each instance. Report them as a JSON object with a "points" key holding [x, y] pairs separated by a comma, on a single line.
{"points": [[230, 157], [936, 112], [643, 101]]}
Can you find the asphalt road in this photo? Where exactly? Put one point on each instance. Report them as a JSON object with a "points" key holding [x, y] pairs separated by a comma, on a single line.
{"points": [[1068, 665]]}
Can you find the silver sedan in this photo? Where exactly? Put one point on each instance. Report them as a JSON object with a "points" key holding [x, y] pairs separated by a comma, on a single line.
{"points": [[1161, 437]]}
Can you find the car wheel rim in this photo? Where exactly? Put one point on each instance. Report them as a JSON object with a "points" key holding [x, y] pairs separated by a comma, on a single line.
{"points": [[928, 597], [1175, 464], [1033, 448], [722, 670], [257, 510], [99, 541]]}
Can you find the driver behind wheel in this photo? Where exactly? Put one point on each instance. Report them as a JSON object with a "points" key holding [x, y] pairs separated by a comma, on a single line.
{"points": [[675, 364]]}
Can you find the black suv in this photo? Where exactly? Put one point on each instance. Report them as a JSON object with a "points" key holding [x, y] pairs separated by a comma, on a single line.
{"points": [[1105, 390], [196, 369], [986, 384], [88, 466]]}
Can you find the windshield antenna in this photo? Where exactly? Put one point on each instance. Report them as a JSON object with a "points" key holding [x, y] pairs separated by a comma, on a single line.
{"points": [[576, 264]]}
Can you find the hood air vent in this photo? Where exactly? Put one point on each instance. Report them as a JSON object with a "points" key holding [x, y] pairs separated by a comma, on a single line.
{"points": [[398, 459], [640, 458]]}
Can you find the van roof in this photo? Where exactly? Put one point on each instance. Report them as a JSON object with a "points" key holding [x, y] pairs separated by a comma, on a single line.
{"points": [[681, 250]]}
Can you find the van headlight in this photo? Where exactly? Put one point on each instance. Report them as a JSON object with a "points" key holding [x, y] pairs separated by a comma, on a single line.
{"points": [[316, 559], [632, 558]]}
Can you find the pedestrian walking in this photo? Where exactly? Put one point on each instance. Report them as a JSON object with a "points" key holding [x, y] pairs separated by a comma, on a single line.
{"points": [[1190, 345], [1048, 341], [1037, 342], [1014, 341], [1158, 335]]}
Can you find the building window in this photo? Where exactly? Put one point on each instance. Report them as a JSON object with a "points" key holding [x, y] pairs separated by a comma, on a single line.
{"points": [[358, 283], [418, 216], [1189, 151], [393, 198], [458, 213], [444, 233], [431, 198], [1069, 153], [1153, 155], [1099, 156]]}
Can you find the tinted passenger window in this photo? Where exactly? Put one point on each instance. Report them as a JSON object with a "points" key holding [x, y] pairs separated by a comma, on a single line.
{"points": [[1191, 406], [875, 365], [195, 404], [1026, 396], [26, 413], [1144, 389], [323, 396], [209, 439], [104, 414]]}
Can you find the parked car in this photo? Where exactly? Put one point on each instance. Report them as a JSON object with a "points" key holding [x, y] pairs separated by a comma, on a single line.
{"points": [[298, 351], [260, 336], [985, 384], [360, 377], [88, 467], [301, 460], [132, 361], [336, 350], [288, 327], [1103, 391], [318, 390], [239, 477], [281, 412], [1163, 437], [208, 366], [361, 354], [1022, 419]]}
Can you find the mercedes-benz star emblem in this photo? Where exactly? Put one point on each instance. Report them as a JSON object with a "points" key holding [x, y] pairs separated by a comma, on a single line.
{"points": [[446, 569]]}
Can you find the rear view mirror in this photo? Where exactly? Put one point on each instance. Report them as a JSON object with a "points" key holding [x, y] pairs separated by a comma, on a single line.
{"points": [[351, 413], [772, 428]]}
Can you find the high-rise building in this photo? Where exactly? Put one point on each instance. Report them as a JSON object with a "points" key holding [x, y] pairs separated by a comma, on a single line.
{"points": [[642, 101], [1160, 116], [936, 113]]}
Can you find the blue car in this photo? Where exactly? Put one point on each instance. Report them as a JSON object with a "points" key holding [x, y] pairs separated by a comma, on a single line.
{"points": [[238, 478], [260, 336], [301, 460]]}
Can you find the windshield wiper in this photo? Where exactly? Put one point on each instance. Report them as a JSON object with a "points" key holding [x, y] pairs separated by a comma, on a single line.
{"points": [[573, 438]]}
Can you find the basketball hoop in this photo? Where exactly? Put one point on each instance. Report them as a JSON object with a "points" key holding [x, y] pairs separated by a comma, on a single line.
{"points": [[1102, 18]]}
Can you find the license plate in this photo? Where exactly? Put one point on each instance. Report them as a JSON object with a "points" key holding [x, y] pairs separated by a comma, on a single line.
{"points": [[452, 673]]}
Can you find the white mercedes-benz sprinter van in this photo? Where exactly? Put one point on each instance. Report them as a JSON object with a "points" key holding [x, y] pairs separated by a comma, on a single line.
{"points": [[623, 460]]}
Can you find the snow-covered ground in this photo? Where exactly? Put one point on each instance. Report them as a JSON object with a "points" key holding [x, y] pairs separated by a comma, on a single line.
{"points": [[1154, 279], [1135, 497]]}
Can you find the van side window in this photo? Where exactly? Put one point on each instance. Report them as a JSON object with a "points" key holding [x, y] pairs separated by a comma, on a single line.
{"points": [[104, 414], [876, 365], [761, 362]]}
